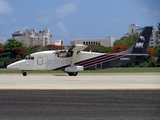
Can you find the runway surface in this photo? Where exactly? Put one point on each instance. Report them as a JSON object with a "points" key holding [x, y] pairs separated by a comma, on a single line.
{"points": [[82, 81], [79, 105], [112, 96]]}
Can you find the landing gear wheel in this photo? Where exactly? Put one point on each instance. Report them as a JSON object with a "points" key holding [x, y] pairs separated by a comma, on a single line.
{"points": [[72, 73], [24, 73]]}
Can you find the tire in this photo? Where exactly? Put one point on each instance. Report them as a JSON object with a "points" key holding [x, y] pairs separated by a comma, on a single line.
{"points": [[72, 73], [24, 73]]}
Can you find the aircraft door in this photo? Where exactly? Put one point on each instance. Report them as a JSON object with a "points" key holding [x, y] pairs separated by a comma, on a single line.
{"points": [[42, 62], [98, 66]]}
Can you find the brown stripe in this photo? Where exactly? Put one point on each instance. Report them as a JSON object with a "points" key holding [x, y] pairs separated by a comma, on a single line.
{"points": [[95, 60]]}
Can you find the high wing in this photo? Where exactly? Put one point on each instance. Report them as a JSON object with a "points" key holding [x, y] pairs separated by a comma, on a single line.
{"points": [[76, 49], [72, 70]]}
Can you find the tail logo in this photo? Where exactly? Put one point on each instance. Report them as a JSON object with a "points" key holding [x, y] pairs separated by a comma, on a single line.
{"points": [[140, 44], [142, 38]]}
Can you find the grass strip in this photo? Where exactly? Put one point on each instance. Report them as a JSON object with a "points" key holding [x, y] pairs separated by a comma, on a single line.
{"points": [[89, 71]]}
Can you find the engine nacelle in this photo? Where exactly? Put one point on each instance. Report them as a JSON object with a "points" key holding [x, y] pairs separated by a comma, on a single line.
{"points": [[74, 69]]}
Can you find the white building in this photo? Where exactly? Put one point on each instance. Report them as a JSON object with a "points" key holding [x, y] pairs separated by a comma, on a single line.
{"points": [[2, 40], [107, 42], [154, 40], [133, 28], [59, 42], [30, 37]]}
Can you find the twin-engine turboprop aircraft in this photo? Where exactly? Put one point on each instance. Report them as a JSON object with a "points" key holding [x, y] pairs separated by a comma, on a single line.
{"points": [[74, 60]]}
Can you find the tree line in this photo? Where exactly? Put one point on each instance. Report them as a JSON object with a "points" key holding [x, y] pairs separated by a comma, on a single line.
{"points": [[13, 51]]}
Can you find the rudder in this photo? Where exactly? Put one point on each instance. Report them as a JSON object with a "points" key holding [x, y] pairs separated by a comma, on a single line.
{"points": [[142, 43]]}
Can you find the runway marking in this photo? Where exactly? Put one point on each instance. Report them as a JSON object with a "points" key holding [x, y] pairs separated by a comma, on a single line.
{"points": [[126, 89]]}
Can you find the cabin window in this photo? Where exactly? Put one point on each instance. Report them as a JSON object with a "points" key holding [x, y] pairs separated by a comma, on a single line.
{"points": [[63, 54]]}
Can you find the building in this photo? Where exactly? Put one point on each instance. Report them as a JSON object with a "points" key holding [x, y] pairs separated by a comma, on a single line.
{"points": [[132, 29], [154, 40], [30, 37], [107, 42], [2, 40], [59, 42]]}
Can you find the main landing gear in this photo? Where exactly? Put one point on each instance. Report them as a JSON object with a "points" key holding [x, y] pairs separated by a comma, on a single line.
{"points": [[24, 73], [72, 73]]}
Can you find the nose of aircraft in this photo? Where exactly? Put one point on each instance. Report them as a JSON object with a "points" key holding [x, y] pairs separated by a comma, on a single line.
{"points": [[10, 67], [13, 66]]}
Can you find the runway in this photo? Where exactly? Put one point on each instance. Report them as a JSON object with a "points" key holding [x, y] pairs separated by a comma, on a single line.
{"points": [[79, 105], [112, 96], [103, 81]]}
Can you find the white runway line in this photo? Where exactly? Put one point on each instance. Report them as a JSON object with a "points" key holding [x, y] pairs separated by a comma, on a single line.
{"points": [[84, 81]]}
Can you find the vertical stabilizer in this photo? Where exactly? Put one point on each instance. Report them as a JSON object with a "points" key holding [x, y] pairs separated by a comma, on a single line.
{"points": [[142, 43]]}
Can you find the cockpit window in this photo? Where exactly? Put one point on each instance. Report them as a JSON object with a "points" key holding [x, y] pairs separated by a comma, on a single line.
{"points": [[29, 57], [32, 58]]}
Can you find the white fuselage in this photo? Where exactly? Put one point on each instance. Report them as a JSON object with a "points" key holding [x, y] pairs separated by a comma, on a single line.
{"points": [[48, 60]]}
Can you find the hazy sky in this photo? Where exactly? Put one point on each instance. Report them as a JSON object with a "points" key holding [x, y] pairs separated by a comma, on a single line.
{"points": [[77, 18]]}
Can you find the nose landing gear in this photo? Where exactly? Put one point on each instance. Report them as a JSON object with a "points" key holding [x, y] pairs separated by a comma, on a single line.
{"points": [[24, 73]]}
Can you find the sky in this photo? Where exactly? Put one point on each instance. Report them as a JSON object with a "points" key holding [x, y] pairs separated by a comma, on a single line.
{"points": [[68, 19]]}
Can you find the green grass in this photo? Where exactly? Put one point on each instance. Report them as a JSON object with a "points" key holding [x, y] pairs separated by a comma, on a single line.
{"points": [[130, 70], [34, 71], [122, 71]]}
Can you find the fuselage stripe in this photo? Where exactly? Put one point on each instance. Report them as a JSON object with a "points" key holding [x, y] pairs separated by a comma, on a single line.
{"points": [[100, 61], [95, 60]]}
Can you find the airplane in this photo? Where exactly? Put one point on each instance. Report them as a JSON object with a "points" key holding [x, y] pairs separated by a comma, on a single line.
{"points": [[75, 60]]}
